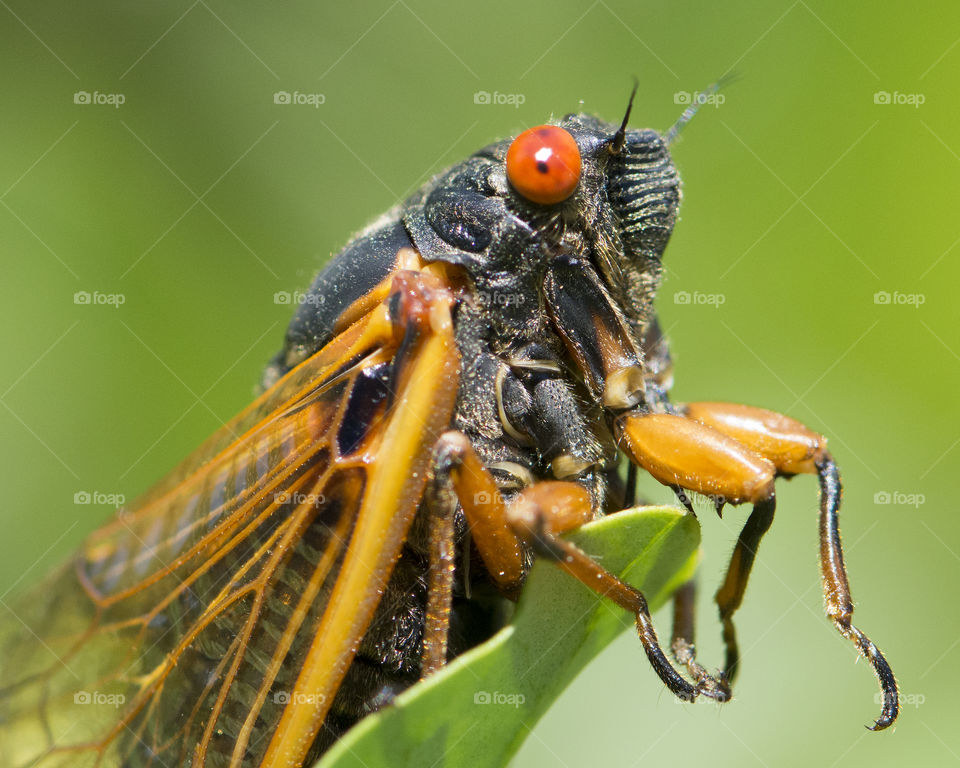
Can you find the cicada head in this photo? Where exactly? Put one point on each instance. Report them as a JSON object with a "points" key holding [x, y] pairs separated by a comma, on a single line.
{"points": [[577, 186], [581, 187]]}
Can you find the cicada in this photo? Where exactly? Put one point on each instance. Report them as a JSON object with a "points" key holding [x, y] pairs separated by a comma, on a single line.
{"points": [[476, 373]]}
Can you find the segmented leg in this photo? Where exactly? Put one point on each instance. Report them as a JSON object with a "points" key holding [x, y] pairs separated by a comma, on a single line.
{"points": [[795, 449], [535, 518], [836, 590], [730, 595], [684, 627], [530, 516], [732, 454], [458, 468], [441, 508]]}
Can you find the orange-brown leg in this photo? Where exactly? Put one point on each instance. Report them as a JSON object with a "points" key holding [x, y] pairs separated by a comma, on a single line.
{"points": [[535, 518], [441, 507], [458, 469], [687, 455], [530, 516], [732, 453], [795, 449], [459, 474]]}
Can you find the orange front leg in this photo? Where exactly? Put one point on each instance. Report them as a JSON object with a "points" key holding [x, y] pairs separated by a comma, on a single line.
{"points": [[685, 454], [792, 447], [796, 449], [732, 453]]}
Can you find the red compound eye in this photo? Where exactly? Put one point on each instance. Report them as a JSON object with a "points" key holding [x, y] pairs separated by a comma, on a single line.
{"points": [[543, 164]]}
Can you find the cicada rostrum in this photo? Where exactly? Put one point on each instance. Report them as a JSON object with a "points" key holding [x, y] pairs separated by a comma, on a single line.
{"points": [[468, 380]]}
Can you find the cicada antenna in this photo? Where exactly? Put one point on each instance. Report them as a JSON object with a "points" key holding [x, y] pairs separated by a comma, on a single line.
{"points": [[620, 137], [698, 100]]}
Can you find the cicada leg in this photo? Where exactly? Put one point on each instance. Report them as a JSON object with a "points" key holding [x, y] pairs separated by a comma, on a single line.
{"points": [[441, 506], [732, 453], [795, 449], [684, 625], [459, 477], [535, 518]]}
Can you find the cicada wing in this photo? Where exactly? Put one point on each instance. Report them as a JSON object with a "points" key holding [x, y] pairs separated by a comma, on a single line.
{"points": [[178, 634]]}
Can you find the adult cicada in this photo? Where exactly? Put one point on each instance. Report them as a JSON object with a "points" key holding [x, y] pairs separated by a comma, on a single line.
{"points": [[476, 373]]}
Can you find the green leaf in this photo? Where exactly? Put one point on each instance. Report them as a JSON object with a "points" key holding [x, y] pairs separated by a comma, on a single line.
{"points": [[478, 710]]}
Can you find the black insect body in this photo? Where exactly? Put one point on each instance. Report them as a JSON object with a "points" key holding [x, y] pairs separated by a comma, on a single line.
{"points": [[464, 382], [555, 327]]}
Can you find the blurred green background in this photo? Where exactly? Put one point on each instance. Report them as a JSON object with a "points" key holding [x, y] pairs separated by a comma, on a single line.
{"points": [[825, 182]]}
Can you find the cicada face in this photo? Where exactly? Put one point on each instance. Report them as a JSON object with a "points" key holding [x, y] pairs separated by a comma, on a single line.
{"points": [[620, 211]]}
